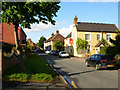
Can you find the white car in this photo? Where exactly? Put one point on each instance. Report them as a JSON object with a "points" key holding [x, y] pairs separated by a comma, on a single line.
{"points": [[48, 52], [63, 54]]}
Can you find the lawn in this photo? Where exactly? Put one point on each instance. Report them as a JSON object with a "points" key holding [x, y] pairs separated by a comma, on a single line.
{"points": [[36, 70]]}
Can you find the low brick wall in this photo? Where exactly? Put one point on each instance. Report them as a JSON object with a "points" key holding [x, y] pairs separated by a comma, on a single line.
{"points": [[9, 62]]}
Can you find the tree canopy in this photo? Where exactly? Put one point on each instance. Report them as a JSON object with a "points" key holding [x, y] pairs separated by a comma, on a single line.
{"points": [[58, 44], [41, 42], [26, 13]]}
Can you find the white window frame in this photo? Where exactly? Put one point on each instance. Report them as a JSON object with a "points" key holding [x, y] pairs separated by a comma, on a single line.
{"points": [[90, 36], [90, 46], [100, 36], [108, 34]]}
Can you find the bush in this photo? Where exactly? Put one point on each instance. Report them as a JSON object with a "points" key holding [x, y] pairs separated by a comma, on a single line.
{"points": [[103, 50], [22, 77], [81, 44], [7, 48], [112, 51], [42, 77]]}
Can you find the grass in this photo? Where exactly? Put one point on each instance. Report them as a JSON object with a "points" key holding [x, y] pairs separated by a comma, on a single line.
{"points": [[36, 70]]}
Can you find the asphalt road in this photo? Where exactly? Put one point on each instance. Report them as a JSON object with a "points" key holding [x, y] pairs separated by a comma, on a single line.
{"points": [[85, 77]]}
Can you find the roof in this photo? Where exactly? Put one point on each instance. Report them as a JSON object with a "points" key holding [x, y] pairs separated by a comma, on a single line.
{"points": [[99, 43], [53, 37], [96, 27], [50, 38], [69, 35]]}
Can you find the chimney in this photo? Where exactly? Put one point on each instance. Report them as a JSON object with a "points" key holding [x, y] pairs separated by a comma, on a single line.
{"points": [[75, 20], [52, 34], [29, 39], [57, 32]]}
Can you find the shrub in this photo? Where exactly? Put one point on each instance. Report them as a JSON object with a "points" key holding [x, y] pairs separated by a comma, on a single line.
{"points": [[81, 44], [7, 48], [112, 51]]}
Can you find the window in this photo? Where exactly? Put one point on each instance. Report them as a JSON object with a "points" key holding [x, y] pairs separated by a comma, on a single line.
{"points": [[98, 37], [108, 36], [87, 37]]}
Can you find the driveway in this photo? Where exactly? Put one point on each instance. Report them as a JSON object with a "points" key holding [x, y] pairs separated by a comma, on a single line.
{"points": [[85, 77]]}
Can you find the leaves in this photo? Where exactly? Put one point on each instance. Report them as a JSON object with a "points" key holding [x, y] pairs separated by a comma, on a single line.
{"points": [[41, 42], [58, 44], [81, 44], [24, 13]]}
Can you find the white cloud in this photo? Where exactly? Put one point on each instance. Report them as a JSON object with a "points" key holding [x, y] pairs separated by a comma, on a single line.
{"points": [[90, 0], [66, 30], [39, 27]]}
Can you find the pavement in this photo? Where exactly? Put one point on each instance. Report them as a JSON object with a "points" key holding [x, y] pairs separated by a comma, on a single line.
{"points": [[84, 77]]}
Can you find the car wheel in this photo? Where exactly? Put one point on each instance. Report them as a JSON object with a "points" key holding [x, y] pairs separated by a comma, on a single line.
{"points": [[98, 66], [87, 64]]}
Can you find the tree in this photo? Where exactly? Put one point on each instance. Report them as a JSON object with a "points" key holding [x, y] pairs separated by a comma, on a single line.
{"points": [[104, 41], [26, 13], [58, 44], [81, 44], [41, 42]]}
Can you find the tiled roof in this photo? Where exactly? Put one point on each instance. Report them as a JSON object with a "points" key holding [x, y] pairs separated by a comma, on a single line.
{"points": [[53, 37], [96, 27], [98, 44]]}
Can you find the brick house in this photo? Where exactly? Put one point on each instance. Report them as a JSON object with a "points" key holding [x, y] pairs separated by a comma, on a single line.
{"points": [[8, 34], [48, 44], [92, 33]]}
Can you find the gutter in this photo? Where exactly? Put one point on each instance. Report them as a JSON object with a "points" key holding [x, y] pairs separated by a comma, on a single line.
{"points": [[67, 81]]}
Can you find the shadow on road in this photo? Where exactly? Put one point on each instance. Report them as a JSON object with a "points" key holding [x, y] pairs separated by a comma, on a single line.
{"points": [[81, 72]]}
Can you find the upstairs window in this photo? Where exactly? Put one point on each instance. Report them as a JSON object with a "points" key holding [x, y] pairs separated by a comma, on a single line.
{"points": [[87, 37], [108, 36], [98, 37]]}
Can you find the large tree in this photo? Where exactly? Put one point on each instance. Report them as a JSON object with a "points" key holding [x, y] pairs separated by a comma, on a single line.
{"points": [[27, 13], [41, 42], [58, 44]]}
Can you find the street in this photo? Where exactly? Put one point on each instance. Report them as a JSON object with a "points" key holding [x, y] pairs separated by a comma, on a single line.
{"points": [[84, 77]]}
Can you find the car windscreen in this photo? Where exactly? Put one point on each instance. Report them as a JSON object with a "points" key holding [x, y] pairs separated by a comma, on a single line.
{"points": [[63, 53], [107, 57]]}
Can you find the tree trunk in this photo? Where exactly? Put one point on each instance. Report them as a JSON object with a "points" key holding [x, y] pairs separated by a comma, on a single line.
{"points": [[18, 48]]}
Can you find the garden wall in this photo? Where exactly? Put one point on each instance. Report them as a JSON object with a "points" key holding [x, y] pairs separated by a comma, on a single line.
{"points": [[9, 62]]}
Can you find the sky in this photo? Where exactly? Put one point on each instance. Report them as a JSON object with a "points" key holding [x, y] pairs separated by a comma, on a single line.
{"points": [[95, 12]]}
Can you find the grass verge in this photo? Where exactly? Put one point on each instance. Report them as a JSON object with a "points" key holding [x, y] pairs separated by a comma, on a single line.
{"points": [[36, 70]]}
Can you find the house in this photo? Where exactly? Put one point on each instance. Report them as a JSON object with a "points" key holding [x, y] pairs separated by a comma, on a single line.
{"points": [[8, 34], [31, 43], [92, 33], [48, 44]]}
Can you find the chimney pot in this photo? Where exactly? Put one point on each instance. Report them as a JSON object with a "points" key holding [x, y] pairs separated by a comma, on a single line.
{"points": [[57, 32], [52, 34], [75, 20]]}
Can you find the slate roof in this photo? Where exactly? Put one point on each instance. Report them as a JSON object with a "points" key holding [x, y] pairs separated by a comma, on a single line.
{"points": [[96, 27]]}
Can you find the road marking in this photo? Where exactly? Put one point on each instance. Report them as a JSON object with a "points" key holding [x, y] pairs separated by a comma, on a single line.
{"points": [[73, 84]]}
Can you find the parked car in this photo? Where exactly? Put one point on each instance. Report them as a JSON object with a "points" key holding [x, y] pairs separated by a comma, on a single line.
{"points": [[63, 54], [101, 61], [51, 52], [47, 51], [56, 52]]}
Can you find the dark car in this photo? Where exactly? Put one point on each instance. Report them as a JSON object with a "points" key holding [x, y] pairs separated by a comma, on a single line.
{"points": [[101, 61], [56, 52]]}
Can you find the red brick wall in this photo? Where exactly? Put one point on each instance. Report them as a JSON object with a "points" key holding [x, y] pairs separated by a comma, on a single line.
{"points": [[8, 34]]}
